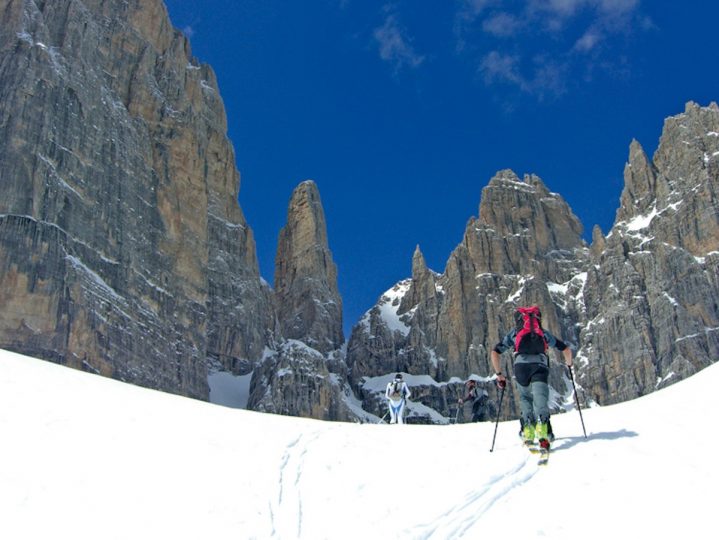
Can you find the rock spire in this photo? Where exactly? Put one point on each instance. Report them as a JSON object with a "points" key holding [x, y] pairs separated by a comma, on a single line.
{"points": [[309, 303]]}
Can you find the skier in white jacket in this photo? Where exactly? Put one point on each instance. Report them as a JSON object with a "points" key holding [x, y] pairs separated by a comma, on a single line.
{"points": [[397, 394]]}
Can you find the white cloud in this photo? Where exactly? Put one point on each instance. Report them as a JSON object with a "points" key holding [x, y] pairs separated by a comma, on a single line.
{"points": [[472, 8], [188, 31], [563, 8], [502, 25], [466, 15], [550, 77], [543, 76], [616, 7], [540, 47], [588, 41], [500, 67], [395, 46], [554, 14]]}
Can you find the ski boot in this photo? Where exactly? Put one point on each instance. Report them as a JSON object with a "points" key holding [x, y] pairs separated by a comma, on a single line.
{"points": [[528, 434], [541, 431]]}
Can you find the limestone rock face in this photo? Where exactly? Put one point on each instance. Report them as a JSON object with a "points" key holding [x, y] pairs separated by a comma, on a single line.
{"points": [[522, 228], [308, 301], [652, 299], [122, 246]]}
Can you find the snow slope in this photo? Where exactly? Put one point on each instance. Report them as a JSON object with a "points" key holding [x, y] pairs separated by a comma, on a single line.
{"points": [[85, 457]]}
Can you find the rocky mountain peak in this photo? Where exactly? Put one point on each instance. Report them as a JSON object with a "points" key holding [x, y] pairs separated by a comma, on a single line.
{"points": [[671, 197], [523, 228], [422, 286], [419, 266], [526, 208], [308, 300], [640, 180]]}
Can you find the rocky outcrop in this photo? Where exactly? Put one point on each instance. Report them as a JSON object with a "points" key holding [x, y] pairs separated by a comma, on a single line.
{"points": [[297, 380], [308, 301], [122, 246], [306, 374]]}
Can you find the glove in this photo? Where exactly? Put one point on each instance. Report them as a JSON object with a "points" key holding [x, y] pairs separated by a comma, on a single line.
{"points": [[501, 382], [460, 401]]}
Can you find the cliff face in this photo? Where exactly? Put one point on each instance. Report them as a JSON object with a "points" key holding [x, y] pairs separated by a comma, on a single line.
{"points": [[652, 315], [122, 247]]}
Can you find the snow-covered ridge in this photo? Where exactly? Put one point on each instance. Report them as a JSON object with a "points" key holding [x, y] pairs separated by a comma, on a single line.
{"points": [[388, 306], [517, 185], [643, 221]]}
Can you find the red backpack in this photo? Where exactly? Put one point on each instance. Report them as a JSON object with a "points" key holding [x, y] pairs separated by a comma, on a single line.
{"points": [[530, 336]]}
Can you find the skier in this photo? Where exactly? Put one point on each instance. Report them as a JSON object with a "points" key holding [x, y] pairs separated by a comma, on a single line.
{"points": [[530, 341], [479, 398], [397, 394]]}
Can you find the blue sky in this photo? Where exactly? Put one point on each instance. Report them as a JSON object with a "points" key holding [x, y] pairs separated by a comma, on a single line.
{"points": [[402, 111]]}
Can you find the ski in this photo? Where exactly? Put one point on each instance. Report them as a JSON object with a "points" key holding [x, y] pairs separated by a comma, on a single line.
{"points": [[537, 450], [543, 452], [532, 447]]}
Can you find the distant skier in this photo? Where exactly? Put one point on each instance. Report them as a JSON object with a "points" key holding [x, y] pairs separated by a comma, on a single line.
{"points": [[397, 394], [530, 341], [479, 399]]}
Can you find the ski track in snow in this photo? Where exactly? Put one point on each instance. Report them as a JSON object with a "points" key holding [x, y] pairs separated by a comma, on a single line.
{"points": [[456, 520], [286, 514], [453, 522]]}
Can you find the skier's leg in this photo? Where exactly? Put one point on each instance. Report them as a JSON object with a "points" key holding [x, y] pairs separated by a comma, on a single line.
{"points": [[540, 399], [523, 376], [400, 412], [476, 411], [392, 413], [526, 409], [540, 393]]}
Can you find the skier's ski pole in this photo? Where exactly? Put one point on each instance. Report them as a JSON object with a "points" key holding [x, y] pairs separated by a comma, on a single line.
{"points": [[382, 419], [499, 411], [576, 398]]}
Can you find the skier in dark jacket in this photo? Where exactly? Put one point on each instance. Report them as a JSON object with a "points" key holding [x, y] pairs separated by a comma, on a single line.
{"points": [[479, 399], [531, 371]]}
